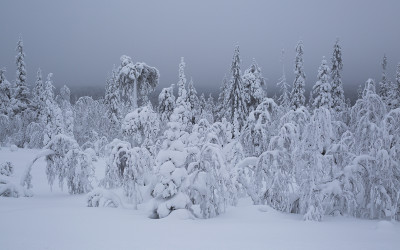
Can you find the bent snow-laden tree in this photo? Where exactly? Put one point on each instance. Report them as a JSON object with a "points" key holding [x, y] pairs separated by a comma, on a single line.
{"points": [[136, 81], [129, 168], [68, 162]]}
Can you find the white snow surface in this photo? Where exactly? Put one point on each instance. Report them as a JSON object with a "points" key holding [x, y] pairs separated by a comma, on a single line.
{"points": [[57, 220]]}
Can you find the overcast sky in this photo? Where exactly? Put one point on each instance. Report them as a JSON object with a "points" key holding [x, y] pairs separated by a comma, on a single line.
{"points": [[80, 41]]}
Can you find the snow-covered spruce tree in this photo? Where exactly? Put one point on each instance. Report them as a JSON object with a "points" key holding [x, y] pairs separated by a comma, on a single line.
{"points": [[297, 95], [5, 94], [63, 101], [284, 98], [207, 111], [86, 122], [166, 104], [136, 81], [384, 85], [222, 99], [322, 90], [395, 97], [338, 103], [170, 191], [236, 100], [70, 163], [52, 119], [253, 83], [21, 92], [37, 94], [113, 102], [260, 126], [193, 100], [181, 101], [141, 126]]}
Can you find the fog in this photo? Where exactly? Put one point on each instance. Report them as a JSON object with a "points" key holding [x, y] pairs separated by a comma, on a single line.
{"points": [[80, 41]]}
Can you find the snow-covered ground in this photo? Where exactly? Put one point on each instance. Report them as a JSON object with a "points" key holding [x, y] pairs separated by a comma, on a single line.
{"points": [[57, 220]]}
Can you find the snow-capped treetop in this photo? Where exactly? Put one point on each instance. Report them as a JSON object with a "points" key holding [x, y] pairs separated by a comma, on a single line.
{"points": [[284, 98], [182, 110], [383, 84], [38, 88], [166, 103], [181, 83], [21, 93], [322, 90], [19, 59], [65, 93], [236, 101], [5, 93], [141, 126], [48, 91], [337, 86], [298, 98], [193, 101], [136, 79], [253, 86]]}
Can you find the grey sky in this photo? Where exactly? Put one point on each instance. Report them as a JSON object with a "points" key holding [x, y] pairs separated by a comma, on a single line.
{"points": [[79, 41]]}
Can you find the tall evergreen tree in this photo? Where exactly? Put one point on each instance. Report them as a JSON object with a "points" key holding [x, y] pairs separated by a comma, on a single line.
{"points": [[37, 91], [384, 83], [253, 86], [284, 98], [337, 86], [236, 102], [396, 95], [5, 93], [222, 98], [322, 90], [21, 93], [52, 118], [113, 101], [298, 98], [193, 101], [181, 101]]}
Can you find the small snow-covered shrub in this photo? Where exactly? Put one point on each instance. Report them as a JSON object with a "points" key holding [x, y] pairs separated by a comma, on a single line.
{"points": [[8, 187], [13, 148], [6, 168], [103, 198]]}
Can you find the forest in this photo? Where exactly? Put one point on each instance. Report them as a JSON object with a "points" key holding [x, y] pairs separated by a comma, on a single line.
{"points": [[315, 154]]}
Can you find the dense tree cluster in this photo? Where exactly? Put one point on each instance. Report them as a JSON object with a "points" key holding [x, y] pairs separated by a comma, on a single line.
{"points": [[320, 158]]}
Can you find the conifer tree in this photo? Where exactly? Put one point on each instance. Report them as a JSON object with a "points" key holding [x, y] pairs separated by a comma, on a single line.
{"points": [[236, 102], [322, 90], [337, 86], [222, 98], [253, 83], [5, 93], [384, 83], [193, 101], [21, 93], [298, 98], [284, 98]]}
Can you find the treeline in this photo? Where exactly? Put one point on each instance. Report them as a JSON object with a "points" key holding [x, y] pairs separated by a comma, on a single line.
{"points": [[316, 158]]}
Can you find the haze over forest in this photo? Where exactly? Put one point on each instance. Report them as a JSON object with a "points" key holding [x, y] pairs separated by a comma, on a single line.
{"points": [[81, 41]]}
